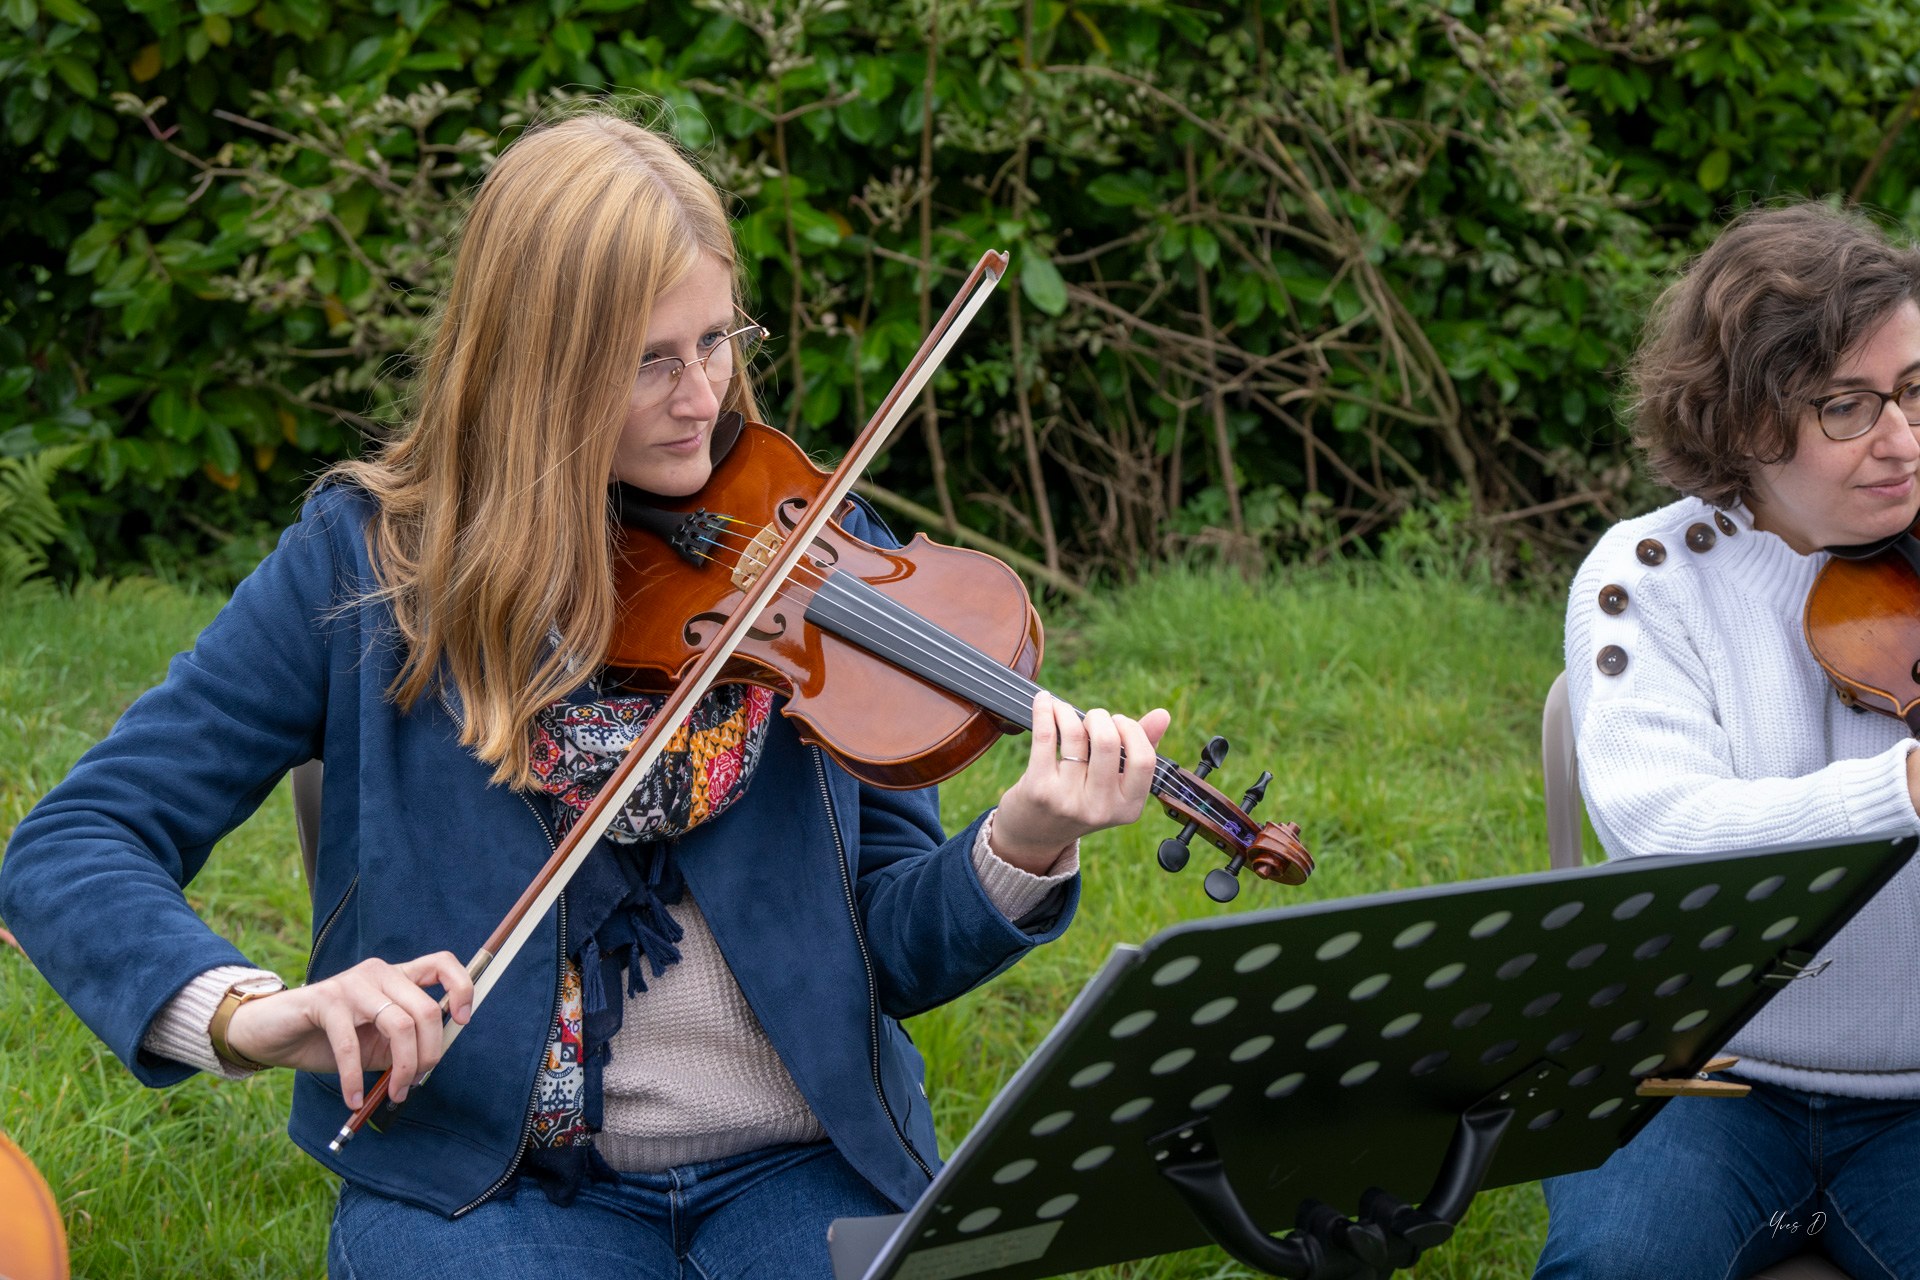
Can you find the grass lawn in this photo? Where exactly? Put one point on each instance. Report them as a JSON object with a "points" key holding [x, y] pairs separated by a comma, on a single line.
{"points": [[1398, 711]]}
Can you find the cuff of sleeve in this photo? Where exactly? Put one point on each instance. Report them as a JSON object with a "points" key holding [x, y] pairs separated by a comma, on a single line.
{"points": [[180, 1030], [1877, 797], [1014, 892]]}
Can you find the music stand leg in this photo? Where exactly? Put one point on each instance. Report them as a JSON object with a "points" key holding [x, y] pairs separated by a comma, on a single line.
{"points": [[1389, 1235]]}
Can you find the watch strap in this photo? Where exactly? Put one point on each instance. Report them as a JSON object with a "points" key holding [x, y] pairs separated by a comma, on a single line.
{"points": [[223, 1018]]}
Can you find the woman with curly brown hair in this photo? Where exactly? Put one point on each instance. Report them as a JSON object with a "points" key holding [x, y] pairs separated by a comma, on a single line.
{"points": [[1778, 388]]}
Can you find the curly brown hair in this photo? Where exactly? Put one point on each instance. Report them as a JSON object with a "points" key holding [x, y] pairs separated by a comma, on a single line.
{"points": [[1750, 332]]}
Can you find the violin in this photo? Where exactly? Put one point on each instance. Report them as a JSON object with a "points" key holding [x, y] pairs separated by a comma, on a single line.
{"points": [[33, 1240], [1862, 623], [904, 665]]}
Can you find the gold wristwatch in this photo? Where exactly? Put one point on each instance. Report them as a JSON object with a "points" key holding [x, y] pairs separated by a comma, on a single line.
{"points": [[238, 994]]}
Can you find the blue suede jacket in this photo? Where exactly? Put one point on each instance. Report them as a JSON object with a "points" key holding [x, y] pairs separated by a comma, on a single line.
{"points": [[838, 905]]}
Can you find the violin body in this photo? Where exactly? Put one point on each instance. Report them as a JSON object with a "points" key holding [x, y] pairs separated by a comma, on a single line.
{"points": [[1862, 625], [884, 724]]}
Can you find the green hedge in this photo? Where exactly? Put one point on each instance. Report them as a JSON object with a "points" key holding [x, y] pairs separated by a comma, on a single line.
{"points": [[1286, 270]]}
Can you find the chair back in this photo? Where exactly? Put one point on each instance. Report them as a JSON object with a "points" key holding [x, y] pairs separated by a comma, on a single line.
{"points": [[1561, 770], [305, 780]]}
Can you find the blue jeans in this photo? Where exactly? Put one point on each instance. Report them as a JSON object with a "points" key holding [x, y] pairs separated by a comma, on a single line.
{"points": [[1715, 1189], [764, 1214]]}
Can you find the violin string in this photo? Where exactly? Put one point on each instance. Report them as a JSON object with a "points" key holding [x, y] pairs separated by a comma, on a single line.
{"points": [[961, 659], [994, 677]]}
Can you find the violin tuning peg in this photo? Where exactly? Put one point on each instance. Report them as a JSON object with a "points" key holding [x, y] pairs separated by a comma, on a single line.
{"points": [[1222, 885], [1174, 850], [1257, 792], [1212, 756]]}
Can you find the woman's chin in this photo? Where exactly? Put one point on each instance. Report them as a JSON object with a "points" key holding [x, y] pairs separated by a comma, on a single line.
{"points": [[670, 478]]}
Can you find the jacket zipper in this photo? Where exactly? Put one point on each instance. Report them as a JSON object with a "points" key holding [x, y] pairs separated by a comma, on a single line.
{"points": [[866, 959], [327, 926], [553, 1012]]}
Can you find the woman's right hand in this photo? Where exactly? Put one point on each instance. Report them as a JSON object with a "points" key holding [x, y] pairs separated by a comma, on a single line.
{"points": [[367, 1018]]}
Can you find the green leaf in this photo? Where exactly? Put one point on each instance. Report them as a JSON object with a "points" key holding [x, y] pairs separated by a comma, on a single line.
{"points": [[859, 120], [814, 227], [1713, 171], [1573, 405], [72, 12], [225, 449], [309, 17], [575, 37], [1346, 302], [14, 383], [1040, 280], [873, 79], [1251, 301], [172, 416], [24, 114], [21, 13], [759, 234], [361, 60], [1206, 249], [1121, 190], [822, 403], [149, 302], [168, 208], [84, 254], [79, 75], [431, 61]]}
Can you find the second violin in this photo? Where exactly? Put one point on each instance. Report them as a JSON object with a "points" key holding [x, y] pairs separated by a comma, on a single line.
{"points": [[1862, 623]]}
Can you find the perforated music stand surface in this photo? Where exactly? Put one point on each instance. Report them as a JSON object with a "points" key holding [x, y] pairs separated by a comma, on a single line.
{"points": [[1333, 1047]]}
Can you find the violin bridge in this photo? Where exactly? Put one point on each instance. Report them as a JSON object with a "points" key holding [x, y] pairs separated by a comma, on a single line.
{"points": [[755, 558]]}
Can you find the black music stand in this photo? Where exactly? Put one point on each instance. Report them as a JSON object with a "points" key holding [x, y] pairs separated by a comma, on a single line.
{"points": [[1310, 1067]]}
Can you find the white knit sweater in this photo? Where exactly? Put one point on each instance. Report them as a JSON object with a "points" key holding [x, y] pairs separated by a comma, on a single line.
{"points": [[1720, 732]]}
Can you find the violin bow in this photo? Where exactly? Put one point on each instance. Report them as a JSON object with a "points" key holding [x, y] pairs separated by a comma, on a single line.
{"points": [[513, 931]]}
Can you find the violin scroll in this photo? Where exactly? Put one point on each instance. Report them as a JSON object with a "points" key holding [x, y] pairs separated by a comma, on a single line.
{"points": [[1273, 850]]}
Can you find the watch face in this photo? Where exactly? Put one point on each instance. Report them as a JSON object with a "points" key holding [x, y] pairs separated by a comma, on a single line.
{"points": [[258, 986]]}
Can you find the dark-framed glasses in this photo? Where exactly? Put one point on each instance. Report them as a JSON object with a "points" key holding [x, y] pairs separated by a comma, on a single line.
{"points": [[1848, 415], [725, 353]]}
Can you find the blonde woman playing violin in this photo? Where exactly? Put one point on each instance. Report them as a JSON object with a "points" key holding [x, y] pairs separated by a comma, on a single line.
{"points": [[697, 1063]]}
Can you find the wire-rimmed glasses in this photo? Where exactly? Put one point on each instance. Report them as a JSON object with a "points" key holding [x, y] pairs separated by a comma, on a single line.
{"points": [[1848, 415], [657, 379]]}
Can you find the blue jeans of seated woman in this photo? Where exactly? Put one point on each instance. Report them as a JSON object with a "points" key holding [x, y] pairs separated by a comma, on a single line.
{"points": [[1716, 1189], [761, 1214]]}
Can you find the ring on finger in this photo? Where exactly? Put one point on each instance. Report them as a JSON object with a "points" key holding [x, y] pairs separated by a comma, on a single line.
{"points": [[382, 1009], [1073, 760]]}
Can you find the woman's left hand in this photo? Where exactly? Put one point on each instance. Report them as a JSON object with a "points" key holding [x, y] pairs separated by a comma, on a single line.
{"points": [[1075, 782]]}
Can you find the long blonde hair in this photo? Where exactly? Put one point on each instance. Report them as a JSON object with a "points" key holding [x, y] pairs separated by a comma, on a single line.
{"points": [[493, 539]]}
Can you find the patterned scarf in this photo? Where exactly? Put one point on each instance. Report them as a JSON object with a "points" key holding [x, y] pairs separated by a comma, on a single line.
{"points": [[617, 918]]}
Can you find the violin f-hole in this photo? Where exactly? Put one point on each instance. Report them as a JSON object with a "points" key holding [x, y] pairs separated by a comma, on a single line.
{"points": [[691, 632]]}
